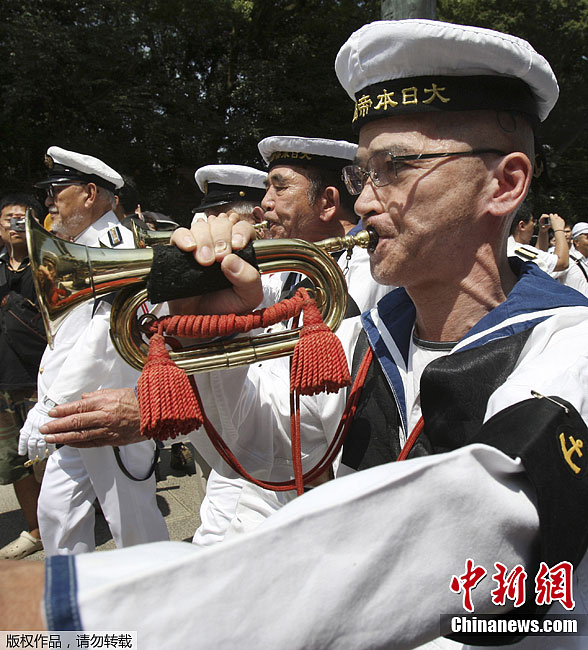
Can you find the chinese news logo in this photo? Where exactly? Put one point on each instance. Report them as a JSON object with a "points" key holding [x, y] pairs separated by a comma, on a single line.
{"points": [[551, 584]]}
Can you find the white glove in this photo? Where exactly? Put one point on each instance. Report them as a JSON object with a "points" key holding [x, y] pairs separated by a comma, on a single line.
{"points": [[31, 441]]}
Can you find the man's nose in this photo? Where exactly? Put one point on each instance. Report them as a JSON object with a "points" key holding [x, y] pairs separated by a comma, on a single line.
{"points": [[364, 204], [268, 203]]}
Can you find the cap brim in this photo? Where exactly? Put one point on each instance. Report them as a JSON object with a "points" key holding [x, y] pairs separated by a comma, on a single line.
{"points": [[165, 225], [50, 181]]}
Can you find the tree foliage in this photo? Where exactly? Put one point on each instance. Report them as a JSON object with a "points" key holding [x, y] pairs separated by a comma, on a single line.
{"points": [[157, 88]]}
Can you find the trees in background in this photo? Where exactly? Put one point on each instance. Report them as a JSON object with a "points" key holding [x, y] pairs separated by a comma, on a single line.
{"points": [[157, 88]]}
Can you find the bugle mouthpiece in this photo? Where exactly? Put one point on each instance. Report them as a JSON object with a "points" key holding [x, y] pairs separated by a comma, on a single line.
{"points": [[367, 238], [260, 228]]}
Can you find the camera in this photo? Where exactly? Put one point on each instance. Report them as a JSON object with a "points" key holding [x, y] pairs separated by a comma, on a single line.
{"points": [[547, 221], [17, 224]]}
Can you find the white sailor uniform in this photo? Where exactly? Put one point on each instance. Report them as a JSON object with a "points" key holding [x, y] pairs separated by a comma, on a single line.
{"points": [[544, 260], [576, 275], [367, 558], [83, 359]]}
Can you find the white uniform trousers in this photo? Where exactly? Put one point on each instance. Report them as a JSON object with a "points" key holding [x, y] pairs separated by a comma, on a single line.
{"points": [[235, 507], [74, 478]]}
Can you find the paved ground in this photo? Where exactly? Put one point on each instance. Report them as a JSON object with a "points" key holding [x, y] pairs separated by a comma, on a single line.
{"points": [[178, 495]]}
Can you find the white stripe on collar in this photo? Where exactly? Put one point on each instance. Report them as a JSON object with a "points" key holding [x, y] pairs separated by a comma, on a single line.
{"points": [[521, 318]]}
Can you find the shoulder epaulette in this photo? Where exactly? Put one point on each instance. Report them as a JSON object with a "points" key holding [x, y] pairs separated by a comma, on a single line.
{"points": [[114, 236], [526, 254]]}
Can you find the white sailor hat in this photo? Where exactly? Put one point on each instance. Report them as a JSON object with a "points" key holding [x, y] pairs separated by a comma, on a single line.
{"points": [[579, 229], [411, 66], [228, 183], [64, 166], [307, 152]]}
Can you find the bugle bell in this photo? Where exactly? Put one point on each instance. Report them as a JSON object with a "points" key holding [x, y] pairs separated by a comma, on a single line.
{"points": [[67, 275]]}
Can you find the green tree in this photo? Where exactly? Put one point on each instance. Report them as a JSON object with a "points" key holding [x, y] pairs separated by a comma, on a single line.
{"points": [[158, 88]]}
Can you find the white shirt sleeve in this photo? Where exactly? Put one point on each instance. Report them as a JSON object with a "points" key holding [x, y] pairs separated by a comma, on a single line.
{"points": [[363, 561], [544, 260]]}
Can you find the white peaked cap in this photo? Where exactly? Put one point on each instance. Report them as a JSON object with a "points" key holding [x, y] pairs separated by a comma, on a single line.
{"points": [[223, 184], [67, 165]]}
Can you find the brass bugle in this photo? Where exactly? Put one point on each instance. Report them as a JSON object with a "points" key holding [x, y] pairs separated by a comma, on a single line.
{"points": [[67, 275], [144, 237]]}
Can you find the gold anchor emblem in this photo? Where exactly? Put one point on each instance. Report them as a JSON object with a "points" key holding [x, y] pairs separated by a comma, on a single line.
{"points": [[576, 447]]}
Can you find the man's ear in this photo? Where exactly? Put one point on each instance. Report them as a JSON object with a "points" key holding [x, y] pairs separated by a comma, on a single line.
{"points": [[330, 202], [91, 193], [512, 177]]}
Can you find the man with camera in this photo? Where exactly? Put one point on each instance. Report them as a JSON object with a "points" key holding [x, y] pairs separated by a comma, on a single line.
{"points": [[22, 342], [521, 235]]}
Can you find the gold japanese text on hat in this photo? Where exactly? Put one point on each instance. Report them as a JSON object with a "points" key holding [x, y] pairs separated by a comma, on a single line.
{"points": [[412, 66]]}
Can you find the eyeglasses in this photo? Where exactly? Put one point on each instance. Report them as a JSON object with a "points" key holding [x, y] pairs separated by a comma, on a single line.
{"points": [[383, 166], [54, 189]]}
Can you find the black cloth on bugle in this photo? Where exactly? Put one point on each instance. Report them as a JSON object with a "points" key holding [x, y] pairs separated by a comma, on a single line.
{"points": [[176, 274]]}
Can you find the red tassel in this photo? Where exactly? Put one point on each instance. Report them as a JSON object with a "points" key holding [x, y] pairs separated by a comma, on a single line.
{"points": [[168, 404], [319, 363]]}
